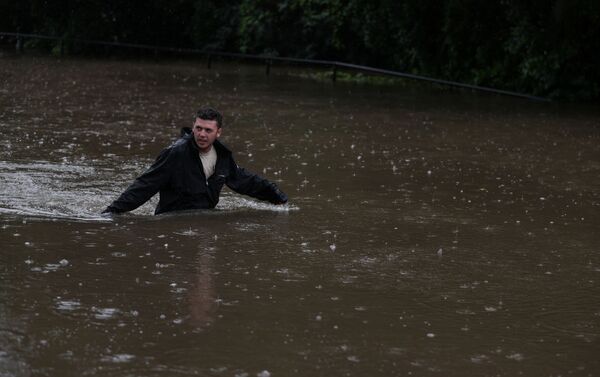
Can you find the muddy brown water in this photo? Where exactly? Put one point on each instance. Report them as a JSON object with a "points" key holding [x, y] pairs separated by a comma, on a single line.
{"points": [[429, 232]]}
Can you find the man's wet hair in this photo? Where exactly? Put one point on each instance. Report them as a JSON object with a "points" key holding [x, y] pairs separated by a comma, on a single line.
{"points": [[208, 113]]}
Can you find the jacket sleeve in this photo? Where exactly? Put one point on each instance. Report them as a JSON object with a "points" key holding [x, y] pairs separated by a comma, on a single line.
{"points": [[145, 186], [244, 182]]}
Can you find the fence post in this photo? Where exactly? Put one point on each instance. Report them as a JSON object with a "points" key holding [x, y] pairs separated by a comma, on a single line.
{"points": [[19, 45], [268, 68], [62, 47]]}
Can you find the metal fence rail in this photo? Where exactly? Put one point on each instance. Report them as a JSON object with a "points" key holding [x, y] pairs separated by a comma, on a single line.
{"points": [[268, 61]]}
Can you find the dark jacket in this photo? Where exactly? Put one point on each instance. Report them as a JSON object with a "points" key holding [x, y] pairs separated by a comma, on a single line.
{"points": [[178, 175]]}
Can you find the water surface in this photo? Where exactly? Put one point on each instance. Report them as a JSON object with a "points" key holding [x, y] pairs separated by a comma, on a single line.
{"points": [[428, 232]]}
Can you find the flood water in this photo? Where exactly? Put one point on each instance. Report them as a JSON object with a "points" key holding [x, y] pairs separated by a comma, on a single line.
{"points": [[429, 232]]}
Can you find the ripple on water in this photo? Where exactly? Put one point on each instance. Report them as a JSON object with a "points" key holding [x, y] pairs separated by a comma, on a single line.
{"points": [[105, 313], [68, 305], [188, 232], [54, 190], [578, 323], [118, 358], [80, 192], [236, 203]]}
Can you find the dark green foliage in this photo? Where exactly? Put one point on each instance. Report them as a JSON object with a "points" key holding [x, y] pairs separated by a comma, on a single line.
{"points": [[543, 47], [548, 48], [215, 25], [296, 28]]}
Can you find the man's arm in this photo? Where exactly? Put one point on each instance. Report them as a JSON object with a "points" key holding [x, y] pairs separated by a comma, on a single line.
{"points": [[244, 182], [145, 186]]}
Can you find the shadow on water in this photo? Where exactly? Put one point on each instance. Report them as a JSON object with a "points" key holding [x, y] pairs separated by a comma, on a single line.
{"points": [[428, 233]]}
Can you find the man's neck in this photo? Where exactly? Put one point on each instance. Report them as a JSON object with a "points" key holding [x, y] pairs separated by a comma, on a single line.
{"points": [[206, 150]]}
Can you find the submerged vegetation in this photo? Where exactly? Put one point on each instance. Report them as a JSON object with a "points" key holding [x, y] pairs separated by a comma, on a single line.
{"points": [[546, 48]]}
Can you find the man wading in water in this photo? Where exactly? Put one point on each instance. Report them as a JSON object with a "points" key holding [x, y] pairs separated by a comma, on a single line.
{"points": [[191, 173]]}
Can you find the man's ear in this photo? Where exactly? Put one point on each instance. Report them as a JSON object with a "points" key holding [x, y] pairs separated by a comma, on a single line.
{"points": [[219, 132]]}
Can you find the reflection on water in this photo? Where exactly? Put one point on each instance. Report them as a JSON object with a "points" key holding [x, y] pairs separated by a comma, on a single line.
{"points": [[428, 233]]}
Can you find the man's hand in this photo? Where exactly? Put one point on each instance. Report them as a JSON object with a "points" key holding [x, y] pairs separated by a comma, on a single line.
{"points": [[279, 196], [108, 212]]}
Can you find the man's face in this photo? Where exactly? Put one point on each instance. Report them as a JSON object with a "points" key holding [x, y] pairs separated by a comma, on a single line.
{"points": [[205, 133]]}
